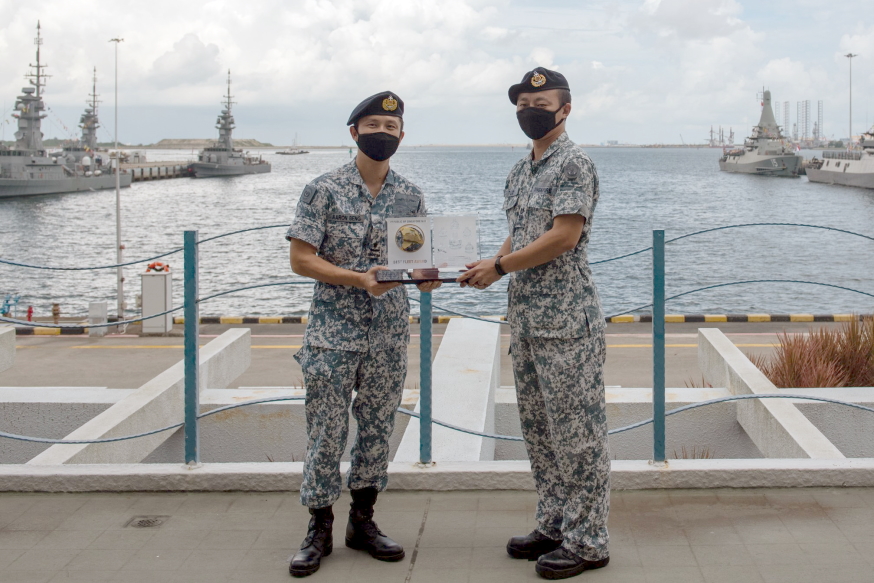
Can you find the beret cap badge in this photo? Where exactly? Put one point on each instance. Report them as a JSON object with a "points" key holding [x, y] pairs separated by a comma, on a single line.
{"points": [[389, 103], [537, 80]]}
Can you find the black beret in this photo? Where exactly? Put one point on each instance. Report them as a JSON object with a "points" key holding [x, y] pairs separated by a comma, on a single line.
{"points": [[539, 79], [385, 103]]}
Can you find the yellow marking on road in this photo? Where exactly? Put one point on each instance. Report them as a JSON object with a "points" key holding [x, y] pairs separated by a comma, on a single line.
{"points": [[686, 345], [715, 318], [148, 347], [801, 317], [125, 347], [277, 346], [758, 317], [231, 319]]}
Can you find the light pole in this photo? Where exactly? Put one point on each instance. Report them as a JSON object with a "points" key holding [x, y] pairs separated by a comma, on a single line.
{"points": [[118, 246], [850, 57]]}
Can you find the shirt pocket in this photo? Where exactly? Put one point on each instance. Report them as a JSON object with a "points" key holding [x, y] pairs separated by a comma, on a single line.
{"points": [[539, 213], [344, 241]]}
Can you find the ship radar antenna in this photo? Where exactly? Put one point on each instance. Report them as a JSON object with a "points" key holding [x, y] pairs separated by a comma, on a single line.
{"points": [[38, 78], [94, 101], [228, 97]]}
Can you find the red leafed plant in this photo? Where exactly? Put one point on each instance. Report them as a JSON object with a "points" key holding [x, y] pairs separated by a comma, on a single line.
{"points": [[842, 357]]}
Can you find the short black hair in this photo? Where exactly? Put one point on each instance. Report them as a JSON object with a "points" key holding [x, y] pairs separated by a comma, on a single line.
{"points": [[564, 96]]}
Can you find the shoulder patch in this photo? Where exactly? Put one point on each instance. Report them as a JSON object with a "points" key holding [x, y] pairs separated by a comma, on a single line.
{"points": [[308, 194], [571, 171]]}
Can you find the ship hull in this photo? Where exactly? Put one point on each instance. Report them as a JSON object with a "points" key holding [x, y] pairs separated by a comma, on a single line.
{"points": [[12, 187], [211, 170], [857, 179], [783, 166]]}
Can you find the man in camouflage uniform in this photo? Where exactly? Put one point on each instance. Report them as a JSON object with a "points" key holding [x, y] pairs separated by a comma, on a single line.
{"points": [[557, 333], [357, 332]]}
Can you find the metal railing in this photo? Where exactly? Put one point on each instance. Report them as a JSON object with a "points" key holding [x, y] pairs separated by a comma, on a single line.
{"points": [[191, 307]]}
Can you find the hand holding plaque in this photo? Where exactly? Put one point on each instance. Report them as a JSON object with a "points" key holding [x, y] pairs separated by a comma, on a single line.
{"points": [[430, 248]]}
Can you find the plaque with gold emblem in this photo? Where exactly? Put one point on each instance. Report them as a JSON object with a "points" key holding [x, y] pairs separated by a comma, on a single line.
{"points": [[430, 248]]}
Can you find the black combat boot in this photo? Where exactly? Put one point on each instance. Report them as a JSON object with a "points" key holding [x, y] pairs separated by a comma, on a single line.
{"points": [[561, 564], [362, 533], [318, 543], [531, 546]]}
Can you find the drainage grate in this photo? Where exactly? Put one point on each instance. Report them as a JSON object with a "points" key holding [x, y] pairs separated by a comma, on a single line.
{"points": [[146, 521]]}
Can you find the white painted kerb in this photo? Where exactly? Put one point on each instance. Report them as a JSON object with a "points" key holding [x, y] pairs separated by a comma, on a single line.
{"points": [[464, 381], [776, 426], [158, 403], [494, 475]]}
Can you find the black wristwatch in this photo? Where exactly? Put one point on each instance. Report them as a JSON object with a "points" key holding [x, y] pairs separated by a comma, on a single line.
{"points": [[498, 267]]}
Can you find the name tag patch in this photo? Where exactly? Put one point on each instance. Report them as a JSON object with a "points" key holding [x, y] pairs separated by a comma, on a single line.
{"points": [[346, 218]]}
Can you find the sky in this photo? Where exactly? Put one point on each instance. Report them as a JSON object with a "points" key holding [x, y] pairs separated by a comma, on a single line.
{"points": [[640, 71]]}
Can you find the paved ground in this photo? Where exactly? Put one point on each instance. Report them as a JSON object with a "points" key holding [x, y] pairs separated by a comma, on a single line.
{"points": [[749, 536], [129, 361]]}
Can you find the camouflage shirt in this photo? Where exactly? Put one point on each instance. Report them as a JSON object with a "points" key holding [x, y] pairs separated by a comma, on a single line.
{"points": [[338, 216], [557, 299]]}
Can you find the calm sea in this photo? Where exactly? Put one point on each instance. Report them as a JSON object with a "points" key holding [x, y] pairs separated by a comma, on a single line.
{"points": [[679, 190]]}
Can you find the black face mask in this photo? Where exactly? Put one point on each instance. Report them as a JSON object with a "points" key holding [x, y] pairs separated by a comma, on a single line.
{"points": [[378, 146], [537, 122]]}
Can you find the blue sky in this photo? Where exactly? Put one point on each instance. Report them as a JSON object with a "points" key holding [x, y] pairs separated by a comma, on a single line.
{"points": [[642, 71]]}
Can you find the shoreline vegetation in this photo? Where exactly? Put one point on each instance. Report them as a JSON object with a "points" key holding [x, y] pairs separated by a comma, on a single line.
{"points": [[198, 144]]}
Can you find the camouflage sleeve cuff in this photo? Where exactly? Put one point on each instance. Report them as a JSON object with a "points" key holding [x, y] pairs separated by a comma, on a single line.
{"points": [[306, 232]]}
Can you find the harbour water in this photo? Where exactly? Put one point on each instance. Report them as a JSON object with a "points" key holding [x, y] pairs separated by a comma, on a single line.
{"points": [[680, 190]]}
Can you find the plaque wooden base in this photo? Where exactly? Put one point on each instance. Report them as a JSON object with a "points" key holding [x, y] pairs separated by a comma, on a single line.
{"points": [[412, 276]]}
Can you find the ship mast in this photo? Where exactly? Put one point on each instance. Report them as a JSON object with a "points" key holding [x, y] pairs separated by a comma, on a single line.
{"points": [[89, 121], [94, 96], [225, 121], [37, 79], [29, 105]]}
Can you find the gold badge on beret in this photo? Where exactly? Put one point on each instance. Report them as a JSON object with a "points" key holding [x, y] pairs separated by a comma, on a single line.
{"points": [[389, 103], [538, 80]]}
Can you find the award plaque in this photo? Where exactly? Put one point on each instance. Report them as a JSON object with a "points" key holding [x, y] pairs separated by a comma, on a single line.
{"points": [[430, 248]]}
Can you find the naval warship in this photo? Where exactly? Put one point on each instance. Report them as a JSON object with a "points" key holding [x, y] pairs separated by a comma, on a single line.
{"points": [[28, 169], [221, 159], [852, 168], [765, 152]]}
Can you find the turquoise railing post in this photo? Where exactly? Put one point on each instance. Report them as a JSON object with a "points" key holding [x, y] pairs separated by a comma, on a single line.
{"points": [[192, 350], [658, 345], [425, 379]]}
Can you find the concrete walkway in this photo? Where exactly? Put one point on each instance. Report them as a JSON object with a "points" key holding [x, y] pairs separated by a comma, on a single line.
{"points": [[756, 535], [126, 362]]}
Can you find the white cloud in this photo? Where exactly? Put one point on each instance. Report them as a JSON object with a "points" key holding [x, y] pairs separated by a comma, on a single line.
{"points": [[689, 19], [189, 63], [639, 69]]}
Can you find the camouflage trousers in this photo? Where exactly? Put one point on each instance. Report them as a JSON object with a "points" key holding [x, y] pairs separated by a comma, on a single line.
{"points": [[560, 391], [330, 377]]}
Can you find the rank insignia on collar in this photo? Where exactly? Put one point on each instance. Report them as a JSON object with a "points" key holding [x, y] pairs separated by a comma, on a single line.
{"points": [[538, 80], [389, 103]]}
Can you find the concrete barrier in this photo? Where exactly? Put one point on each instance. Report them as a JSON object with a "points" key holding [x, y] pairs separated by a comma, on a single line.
{"points": [[776, 426], [708, 431], [849, 429], [466, 375], [156, 404], [7, 347], [270, 432]]}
